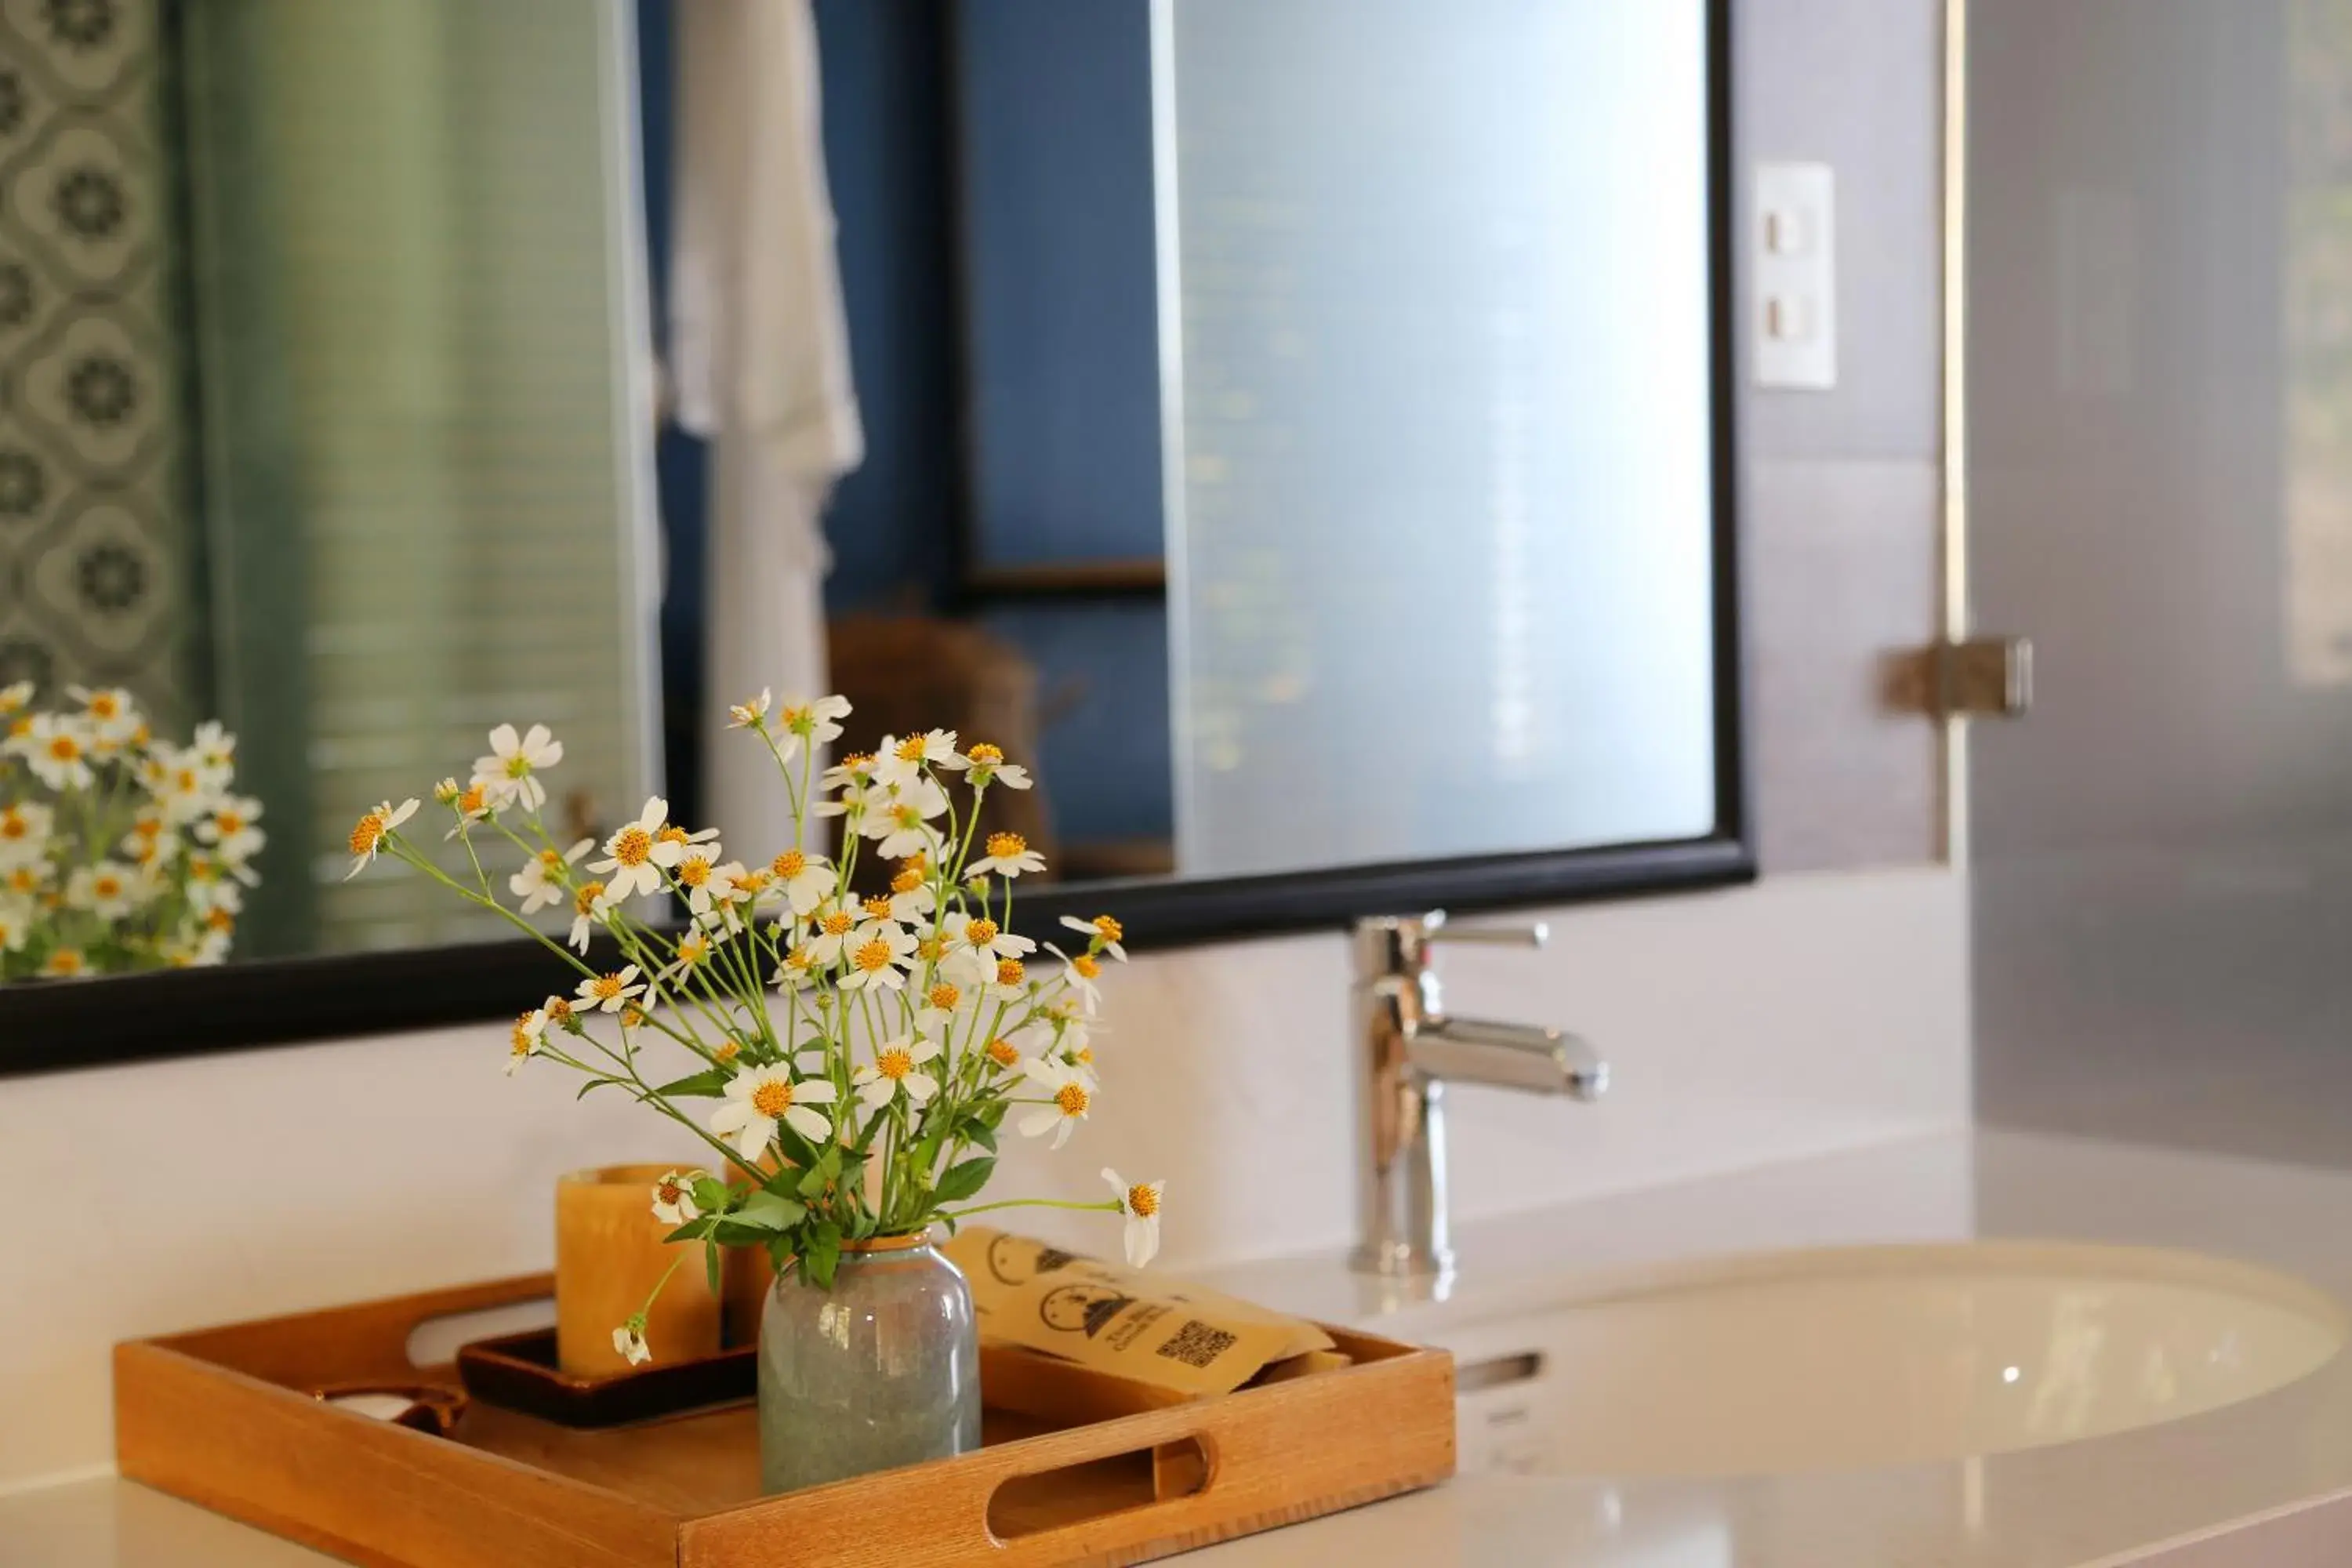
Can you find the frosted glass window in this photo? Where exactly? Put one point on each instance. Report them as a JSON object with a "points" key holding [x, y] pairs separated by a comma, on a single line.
{"points": [[1436, 310]]}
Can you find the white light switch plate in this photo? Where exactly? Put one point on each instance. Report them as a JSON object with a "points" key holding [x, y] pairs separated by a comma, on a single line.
{"points": [[1795, 267]]}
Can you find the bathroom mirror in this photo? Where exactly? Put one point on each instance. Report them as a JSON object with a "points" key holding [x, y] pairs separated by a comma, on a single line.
{"points": [[1331, 505]]}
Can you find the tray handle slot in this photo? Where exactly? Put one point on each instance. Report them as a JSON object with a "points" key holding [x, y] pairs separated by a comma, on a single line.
{"points": [[436, 1340], [1040, 1502]]}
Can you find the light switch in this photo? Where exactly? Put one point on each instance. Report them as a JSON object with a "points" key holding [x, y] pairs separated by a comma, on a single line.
{"points": [[1795, 269]]}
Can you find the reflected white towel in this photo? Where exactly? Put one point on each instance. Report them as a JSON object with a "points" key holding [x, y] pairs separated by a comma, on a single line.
{"points": [[759, 358]]}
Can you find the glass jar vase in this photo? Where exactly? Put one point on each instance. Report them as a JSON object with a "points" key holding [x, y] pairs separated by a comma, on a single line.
{"points": [[880, 1371]]}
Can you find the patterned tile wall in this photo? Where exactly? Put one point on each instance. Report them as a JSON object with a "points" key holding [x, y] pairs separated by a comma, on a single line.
{"points": [[96, 531]]}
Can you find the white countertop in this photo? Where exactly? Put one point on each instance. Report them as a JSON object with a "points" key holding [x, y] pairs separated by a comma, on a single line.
{"points": [[2085, 1503]]}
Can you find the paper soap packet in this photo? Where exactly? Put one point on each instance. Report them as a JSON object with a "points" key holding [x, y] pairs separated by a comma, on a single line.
{"points": [[1148, 1328]]}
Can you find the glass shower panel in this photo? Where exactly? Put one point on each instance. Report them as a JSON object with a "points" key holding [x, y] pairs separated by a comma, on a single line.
{"points": [[2159, 359], [1435, 298]]}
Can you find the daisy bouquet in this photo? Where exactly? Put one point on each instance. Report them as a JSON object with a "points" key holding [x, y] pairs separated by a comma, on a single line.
{"points": [[849, 1061], [118, 850]]}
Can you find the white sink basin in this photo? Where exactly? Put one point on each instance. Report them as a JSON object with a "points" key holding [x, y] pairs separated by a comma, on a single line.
{"points": [[1878, 1355]]}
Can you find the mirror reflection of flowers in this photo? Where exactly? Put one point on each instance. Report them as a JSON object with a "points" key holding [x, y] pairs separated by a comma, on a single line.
{"points": [[861, 1053], [118, 850]]}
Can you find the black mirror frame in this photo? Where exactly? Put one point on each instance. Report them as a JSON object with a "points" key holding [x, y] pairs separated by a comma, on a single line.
{"points": [[52, 1027]]}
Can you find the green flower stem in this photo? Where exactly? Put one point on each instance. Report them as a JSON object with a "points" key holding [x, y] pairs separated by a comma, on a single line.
{"points": [[1107, 1205]]}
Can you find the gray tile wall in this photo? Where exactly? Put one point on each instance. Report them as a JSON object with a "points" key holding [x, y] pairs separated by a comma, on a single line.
{"points": [[1841, 496]]}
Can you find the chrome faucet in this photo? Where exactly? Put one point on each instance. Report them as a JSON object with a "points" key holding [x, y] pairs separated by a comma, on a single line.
{"points": [[1411, 1050]]}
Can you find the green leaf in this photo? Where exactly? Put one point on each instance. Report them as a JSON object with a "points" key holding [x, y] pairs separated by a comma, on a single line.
{"points": [[712, 1195], [707, 1085], [694, 1229], [962, 1181], [711, 1266], [766, 1211], [797, 1151], [822, 1173], [817, 1261]]}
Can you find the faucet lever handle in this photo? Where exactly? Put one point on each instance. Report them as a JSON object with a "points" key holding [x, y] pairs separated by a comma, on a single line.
{"points": [[1534, 934]]}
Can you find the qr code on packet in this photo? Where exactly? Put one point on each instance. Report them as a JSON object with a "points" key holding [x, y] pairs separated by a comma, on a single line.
{"points": [[1196, 1343]]}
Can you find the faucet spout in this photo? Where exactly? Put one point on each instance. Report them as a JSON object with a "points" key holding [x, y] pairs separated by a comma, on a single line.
{"points": [[1508, 1056], [1412, 1048]]}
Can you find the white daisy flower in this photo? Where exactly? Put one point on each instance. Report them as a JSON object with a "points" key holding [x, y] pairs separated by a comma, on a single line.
{"points": [[15, 698], [898, 815], [16, 924], [898, 1065], [694, 951], [523, 1039], [810, 724], [832, 930], [112, 715], [371, 829], [1009, 855], [510, 773], [213, 751], [878, 953], [65, 963], [609, 992], [637, 855], [673, 1199], [106, 889], [1102, 933], [941, 1008], [988, 766], [758, 1100], [591, 907], [751, 715], [853, 775], [912, 897], [58, 749], [797, 972], [985, 937], [901, 761], [1141, 1205], [540, 882], [806, 880], [1009, 983], [1067, 1101], [629, 1339], [232, 829], [1079, 972], [26, 827], [697, 864]]}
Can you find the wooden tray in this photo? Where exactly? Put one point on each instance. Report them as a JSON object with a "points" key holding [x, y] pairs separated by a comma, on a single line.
{"points": [[225, 1417]]}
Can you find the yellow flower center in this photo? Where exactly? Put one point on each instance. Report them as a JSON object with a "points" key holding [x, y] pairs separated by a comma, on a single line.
{"points": [[632, 847], [186, 780], [606, 987], [906, 815], [906, 881], [837, 923], [789, 864], [106, 885], [671, 833], [19, 728], [230, 822], [1009, 972], [692, 950], [1072, 1099], [980, 933], [523, 1041], [726, 1051], [753, 881], [22, 879], [895, 1063], [1088, 966], [1109, 929], [584, 901], [910, 750], [873, 956], [473, 800], [369, 832], [930, 950], [799, 721], [551, 860], [518, 767], [1005, 845], [801, 958], [1083, 1055], [878, 908], [985, 755], [632, 1015], [221, 919], [64, 748], [105, 705], [670, 1190], [13, 826], [773, 1098], [858, 763], [693, 871], [1001, 1052], [945, 996], [559, 1011], [64, 960]]}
